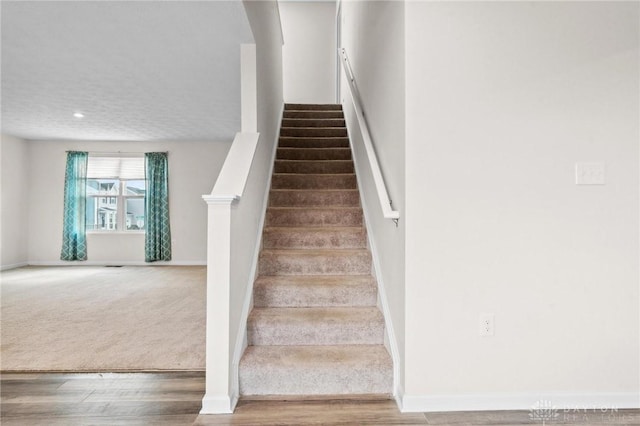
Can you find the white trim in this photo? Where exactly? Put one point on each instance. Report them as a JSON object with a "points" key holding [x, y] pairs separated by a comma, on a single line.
{"points": [[13, 266], [241, 336], [217, 405], [116, 263], [519, 401], [241, 345], [398, 395], [220, 199]]}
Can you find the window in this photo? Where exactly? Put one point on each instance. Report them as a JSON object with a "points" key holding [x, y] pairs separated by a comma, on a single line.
{"points": [[115, 193]]}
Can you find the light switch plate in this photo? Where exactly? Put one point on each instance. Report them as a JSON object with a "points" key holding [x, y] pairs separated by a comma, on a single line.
{"points": [[590, 174]]}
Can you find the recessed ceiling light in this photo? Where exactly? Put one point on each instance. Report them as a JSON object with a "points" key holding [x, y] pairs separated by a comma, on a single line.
{"points": [[78, 115]]}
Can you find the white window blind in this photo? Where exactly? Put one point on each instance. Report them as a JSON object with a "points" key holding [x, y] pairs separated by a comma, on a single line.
{"points": [[105, 167]]}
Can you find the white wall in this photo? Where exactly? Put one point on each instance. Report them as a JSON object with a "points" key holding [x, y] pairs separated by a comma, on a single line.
{"points": [[502, 99], [373, 35], [14, 226], [309, 51], [192, 168]]}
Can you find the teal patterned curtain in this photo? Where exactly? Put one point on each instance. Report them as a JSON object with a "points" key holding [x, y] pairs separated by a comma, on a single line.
{"points": [[158, 236], [74, 237]]}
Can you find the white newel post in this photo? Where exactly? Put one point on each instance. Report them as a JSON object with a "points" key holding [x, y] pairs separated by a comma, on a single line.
{"points": [[218, 398]]}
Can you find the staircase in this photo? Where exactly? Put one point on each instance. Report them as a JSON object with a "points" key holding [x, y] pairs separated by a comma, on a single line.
{"points": [[315, 328]]}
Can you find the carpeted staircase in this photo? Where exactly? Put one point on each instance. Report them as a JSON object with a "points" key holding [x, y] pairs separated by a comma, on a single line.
{"points": [[315, 328]]}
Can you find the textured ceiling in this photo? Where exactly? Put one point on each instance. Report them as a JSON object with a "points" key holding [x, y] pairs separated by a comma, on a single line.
{"points": [[137, 70]]}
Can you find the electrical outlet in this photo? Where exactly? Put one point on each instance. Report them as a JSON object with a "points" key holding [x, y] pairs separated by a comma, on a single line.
{"points": [[590, 174], [487, 325]]}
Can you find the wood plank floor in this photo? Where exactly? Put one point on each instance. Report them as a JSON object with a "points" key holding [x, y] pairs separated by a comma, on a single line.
{"points": [[32, 399]]}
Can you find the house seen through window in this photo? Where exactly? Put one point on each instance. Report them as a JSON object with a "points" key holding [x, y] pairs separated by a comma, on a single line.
{"points": [[116, 190]]}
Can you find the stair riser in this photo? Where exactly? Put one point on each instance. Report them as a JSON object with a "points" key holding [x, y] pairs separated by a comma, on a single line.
{"points": [[295, 264], [300, 382], [313, 114], [313, 154], [283, 198], [322, 132], [284, 239], [293, 181], [318, 370], [284, 295], [318, 334], [312, 107], [316, 217], [313, 142], [309, 166], [313, 122]]}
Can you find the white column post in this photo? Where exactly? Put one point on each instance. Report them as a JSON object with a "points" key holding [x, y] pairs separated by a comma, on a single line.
{"points": [[218, 398]]}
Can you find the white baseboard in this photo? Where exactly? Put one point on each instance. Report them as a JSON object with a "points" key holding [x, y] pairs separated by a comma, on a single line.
{"points": [[118, 263], [520, 401], [13, 266], [217, 404], [398, 394]]}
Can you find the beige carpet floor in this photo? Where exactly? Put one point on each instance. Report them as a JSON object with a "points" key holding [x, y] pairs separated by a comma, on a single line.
{"points": [[103, 318]]}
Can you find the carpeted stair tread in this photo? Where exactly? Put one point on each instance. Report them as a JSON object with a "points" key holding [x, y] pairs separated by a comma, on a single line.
{"points": [[314, 262], [314, 237], [314, 181], [316, 326], [313, 114], [314, 166], [308, 142], [314, 291], [313, 154], [314, 198], [312, 107], [313, 122], [316, 370], [314, 216], [314, 131]]}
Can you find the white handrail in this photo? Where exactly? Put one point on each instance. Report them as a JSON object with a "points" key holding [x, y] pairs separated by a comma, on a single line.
{"points": [[383, 195]]}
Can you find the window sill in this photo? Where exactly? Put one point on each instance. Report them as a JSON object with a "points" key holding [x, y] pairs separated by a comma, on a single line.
{"points": [[115, 232]]}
